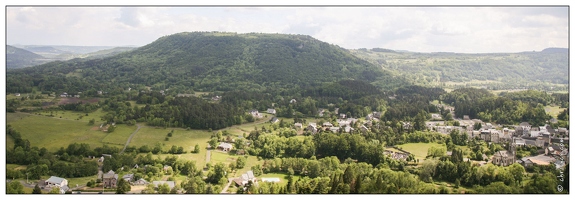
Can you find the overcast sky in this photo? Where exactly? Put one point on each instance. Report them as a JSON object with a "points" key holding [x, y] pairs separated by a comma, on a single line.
{"points": [[421, 29]]}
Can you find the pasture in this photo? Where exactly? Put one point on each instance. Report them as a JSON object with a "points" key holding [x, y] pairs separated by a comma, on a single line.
{"points": [[54, 133], [553, 110], [120, 135], [185, 138], [75, 115], [418, 149]]}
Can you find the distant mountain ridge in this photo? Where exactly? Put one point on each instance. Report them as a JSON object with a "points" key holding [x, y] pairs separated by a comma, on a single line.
{"points": [[543, 70], [556, 50], [19, 58], [55, 53]]}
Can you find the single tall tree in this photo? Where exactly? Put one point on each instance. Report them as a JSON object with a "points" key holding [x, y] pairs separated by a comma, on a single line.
{"points": [[123, 187], [37, 190]]}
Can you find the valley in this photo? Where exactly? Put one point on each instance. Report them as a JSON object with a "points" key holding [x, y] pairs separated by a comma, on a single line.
{"points": [[254, 113]]}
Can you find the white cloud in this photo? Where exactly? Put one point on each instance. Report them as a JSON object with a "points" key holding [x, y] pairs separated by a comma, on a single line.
{"points": [[428, 29]]}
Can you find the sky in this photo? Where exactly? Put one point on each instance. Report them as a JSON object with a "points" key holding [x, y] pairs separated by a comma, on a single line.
{"points": [[421, 29]]}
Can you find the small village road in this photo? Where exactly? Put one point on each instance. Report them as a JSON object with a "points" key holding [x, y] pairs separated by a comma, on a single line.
{"points": [[130, 138]]}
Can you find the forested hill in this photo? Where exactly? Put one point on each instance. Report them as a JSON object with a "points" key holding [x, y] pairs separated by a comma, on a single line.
{"points": [[208, 61], [19, 58], [542, 70]]}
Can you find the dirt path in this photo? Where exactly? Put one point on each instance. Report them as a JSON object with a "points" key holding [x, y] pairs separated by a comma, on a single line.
{"points": [[225, 190], [208, 155], [130, 138]]}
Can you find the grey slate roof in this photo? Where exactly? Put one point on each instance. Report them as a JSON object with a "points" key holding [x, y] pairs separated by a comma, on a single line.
{"points": [[55, 179]]}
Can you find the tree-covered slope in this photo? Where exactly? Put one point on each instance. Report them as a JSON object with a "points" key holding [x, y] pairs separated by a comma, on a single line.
{"points": [[544, 70], [18, 58], [208, 61]]}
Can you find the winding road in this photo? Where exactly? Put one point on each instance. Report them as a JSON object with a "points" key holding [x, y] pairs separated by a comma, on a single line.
{"points": [[130, 138]]}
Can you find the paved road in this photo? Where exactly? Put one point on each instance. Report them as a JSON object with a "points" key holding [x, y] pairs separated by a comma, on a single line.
{"points": [[225, 190], [130, 138]]}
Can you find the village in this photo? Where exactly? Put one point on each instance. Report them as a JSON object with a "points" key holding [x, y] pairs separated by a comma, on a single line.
{"points": [[549, 142]]}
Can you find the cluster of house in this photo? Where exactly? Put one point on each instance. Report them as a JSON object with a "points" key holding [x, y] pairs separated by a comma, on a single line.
{"points": [[70, 95], [545, 138]]}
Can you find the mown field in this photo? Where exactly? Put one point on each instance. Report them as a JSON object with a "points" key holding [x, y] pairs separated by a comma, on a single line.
{"points": [[187, 139], [420, 149], [54, 133], [553, 110], [77, 116], [120, 135]]}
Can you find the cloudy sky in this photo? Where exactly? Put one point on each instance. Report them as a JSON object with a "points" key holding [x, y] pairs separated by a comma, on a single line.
{"points": [[421, 29]]}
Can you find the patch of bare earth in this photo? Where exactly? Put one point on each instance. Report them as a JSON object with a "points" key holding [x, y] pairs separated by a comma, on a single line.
{"points": [[76, 100]]}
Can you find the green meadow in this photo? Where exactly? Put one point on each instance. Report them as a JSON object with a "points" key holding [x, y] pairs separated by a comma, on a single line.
{"points": [[185, 138], [420, 149], [54, 133], [120, 135]]}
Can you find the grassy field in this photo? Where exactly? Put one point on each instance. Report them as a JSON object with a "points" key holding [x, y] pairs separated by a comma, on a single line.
{"points": [[185, 138], [15, 166], [120, 135], [418, 149], [218, 156], [246, 128], [12, 117], [80, 180], [553, 110], [54, 133], [77, 116]]}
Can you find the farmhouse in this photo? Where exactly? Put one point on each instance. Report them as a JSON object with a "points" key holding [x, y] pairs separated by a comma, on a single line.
{"points": [[64, 94], [292, 101], [17, 94], [312, 127], [225, 146], [271, 111], [55, 181], [245, 178], [255, 113], [110, 179], [128, 178], [298, 126], [274, 120]]}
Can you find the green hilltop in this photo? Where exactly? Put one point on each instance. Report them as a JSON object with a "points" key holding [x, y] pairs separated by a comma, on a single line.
{"points": [[209, 61]]}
